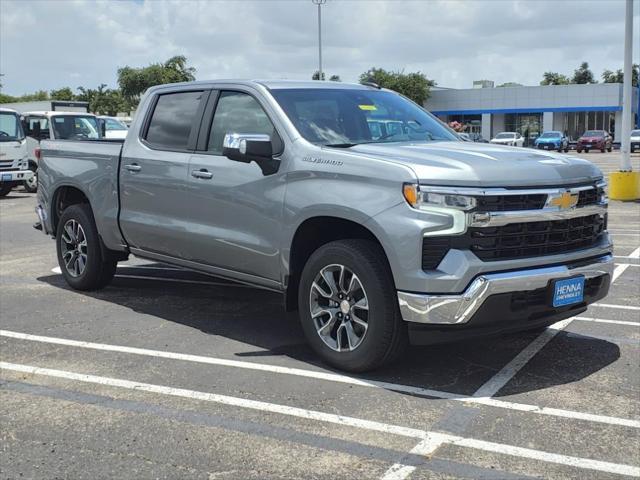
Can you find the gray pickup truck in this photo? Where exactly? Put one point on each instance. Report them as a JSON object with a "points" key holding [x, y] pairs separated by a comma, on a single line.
{"points": [[375, 221]]}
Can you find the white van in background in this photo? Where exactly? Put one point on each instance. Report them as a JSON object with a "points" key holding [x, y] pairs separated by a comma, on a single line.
{"points": [[55, 125], [13, 152]]}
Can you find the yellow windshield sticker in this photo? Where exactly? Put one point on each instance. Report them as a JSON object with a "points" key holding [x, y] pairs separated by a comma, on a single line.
{"points": [[367, 107]]}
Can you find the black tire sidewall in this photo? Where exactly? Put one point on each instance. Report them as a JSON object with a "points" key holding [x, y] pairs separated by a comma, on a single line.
{"points": [[34, 168], [375, 276], [90, 278]]}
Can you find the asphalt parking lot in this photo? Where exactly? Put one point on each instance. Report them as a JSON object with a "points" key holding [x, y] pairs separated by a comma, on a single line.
{"points": [[172, 374]]}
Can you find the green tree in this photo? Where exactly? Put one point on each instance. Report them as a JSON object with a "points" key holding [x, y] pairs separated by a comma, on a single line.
{"points": [[134, 81], [415, 86], [553, 78], [64, 93], [316, 75], [103, 101], [583, 74], [618, 76], [332, 78]]}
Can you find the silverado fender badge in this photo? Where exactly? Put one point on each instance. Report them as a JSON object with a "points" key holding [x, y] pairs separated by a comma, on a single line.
{"points": [[311, 159]]}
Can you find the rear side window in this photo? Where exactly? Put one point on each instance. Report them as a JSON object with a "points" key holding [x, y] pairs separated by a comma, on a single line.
{"points": [[172, 120]]}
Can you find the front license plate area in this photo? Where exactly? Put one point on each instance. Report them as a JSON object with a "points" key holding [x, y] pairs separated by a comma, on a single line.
{"points": [[567, 291], [6, 177]]}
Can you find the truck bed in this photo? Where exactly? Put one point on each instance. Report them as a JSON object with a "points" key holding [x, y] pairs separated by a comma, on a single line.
{"points": [[91, 166]]}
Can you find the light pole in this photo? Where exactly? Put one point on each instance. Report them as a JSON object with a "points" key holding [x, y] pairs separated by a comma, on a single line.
{"points": [[319, 3], [625, 184]]}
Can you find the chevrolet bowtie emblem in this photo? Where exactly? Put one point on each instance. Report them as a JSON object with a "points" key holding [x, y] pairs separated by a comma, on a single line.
{"points": [[564, 200]]}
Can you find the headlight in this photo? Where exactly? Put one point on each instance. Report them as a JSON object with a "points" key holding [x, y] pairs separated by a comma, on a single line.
{"points": [[436, 197]]}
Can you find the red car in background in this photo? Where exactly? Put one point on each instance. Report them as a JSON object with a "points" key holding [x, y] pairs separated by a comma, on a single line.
{"points": [[595, 140]]}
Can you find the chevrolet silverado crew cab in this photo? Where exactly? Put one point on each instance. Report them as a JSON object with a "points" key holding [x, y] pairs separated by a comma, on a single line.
{"points": [[13, 152], [375, 221]]}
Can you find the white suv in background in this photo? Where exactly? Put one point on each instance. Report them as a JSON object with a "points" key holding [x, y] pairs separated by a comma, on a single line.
{"points": [[114, 128], [513, 139]]}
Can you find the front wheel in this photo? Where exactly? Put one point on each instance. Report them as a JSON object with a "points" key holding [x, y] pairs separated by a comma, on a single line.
{"points": [[5, 188], [348, 306], [31, 185], [84, 263]]}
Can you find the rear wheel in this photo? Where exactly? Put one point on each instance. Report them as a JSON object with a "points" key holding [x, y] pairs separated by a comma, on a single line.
{"points": [[349, 308], [5, 188], [85, 264], [31, 185]]}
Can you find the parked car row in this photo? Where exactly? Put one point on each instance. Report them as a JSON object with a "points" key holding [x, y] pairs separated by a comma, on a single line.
{"points": [[21, 134], [556, 140]]}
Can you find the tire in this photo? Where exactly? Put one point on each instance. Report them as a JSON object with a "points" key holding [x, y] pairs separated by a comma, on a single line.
{"points": [[5, 188], [98, 270], [578, 150], [31, 186], [603, 150], [610, 149], [385, 336]]}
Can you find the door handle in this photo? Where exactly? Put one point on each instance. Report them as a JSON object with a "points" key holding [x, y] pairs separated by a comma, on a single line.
{"points": [[133, 167], [202, 174]]}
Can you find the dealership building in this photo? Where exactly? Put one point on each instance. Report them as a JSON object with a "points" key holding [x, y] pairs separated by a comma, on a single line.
{"points": [[572, 109]]}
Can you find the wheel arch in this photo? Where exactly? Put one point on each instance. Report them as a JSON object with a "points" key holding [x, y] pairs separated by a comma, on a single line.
{"points": [[310, 235], [63, 197]]}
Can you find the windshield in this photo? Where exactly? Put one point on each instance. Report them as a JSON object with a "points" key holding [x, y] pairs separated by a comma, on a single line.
{"points": [[345, 117], [72, 127], [550, 135], [10, 128], [593, 133], [112, 124], [506, 135]]}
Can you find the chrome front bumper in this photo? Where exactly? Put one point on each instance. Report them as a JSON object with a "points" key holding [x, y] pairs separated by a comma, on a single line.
{"points": [[459, 309]]}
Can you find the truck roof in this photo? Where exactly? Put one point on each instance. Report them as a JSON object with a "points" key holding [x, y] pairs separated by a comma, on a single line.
{"points": [[10, 110], [270, 84], [59, 112]]}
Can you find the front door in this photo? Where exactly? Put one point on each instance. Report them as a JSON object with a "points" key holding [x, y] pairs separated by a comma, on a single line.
{"points": [[235, 207], [154, 177]]}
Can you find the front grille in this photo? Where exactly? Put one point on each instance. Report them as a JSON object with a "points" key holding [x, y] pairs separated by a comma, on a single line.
{"points": [[533, 239], [8, 168], [501, 203], [518, 240], [590, 197]]}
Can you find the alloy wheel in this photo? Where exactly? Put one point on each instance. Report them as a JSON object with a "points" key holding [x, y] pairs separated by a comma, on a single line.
{"points": [[339, 308], [73, 243]]}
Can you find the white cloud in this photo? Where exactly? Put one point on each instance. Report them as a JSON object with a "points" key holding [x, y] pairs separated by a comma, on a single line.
{"points": [[45, 45]]}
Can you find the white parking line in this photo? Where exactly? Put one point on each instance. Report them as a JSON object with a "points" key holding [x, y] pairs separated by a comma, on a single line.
{"points": [[611, 305], [577, 462], [619, 270], [500, 379], [602, 320], [635, 253], [330, 377]]}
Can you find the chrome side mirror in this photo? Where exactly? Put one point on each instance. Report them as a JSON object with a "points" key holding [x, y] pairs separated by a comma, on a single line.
{"points": [[245, 147]]}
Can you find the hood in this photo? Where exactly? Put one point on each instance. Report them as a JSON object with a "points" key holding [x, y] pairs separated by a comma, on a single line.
{"points": [[591, 139], [483, 164]]}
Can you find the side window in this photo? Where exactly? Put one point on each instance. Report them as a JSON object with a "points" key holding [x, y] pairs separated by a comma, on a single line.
{"points": [[172, 119], [37, 127], [237, 112]]}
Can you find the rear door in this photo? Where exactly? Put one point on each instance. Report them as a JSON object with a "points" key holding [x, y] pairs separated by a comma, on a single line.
{"points": [[235, 208], [154, 179]]}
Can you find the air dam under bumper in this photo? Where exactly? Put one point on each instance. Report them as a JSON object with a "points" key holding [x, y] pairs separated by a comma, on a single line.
{"points": [[461, 309]]}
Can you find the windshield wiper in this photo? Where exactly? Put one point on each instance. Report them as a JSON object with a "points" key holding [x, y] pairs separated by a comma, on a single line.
{"points": [[340, 145]]}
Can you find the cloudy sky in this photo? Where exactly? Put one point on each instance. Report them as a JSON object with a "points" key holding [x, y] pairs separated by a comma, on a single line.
{"points": [[48, 44]]}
